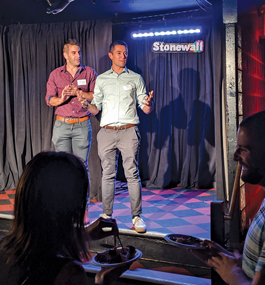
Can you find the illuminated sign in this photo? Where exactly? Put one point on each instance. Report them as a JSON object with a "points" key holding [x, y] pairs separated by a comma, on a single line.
{"points": [[161, 47]]}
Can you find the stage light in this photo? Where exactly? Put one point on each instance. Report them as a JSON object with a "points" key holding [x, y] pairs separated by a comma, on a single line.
{"points": [[142, 34]]}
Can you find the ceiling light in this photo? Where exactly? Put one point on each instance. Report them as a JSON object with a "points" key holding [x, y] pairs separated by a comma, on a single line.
{"points": [[141, 34]]}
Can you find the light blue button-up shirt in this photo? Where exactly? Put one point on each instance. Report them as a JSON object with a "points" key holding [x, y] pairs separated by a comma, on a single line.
{"points": [[117, 95]]}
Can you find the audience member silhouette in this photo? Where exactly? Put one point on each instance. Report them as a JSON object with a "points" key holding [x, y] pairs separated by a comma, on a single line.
{"points": [[48, 241], [249, 268]]}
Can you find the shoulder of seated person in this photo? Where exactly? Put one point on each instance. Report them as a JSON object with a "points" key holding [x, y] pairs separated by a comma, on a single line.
{"points": [[72, 273]]}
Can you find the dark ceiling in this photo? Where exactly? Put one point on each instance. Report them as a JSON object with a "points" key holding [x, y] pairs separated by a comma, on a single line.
{"points": [[35, 11]]}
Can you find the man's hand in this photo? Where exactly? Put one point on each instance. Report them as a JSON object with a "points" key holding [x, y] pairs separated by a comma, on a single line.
{"points": [[80, 95], [226, 266], [70, 91], [148, 102], [148, 99], [85, 104], [74, 90], [211, 249], [66, 94], [82, 98]]}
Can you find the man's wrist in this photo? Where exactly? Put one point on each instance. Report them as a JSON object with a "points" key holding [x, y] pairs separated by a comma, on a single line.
{"points": [[85, 105], [150, 104], [61, 100]]}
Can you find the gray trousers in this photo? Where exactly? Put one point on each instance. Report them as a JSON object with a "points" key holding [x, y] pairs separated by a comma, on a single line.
{"points": [[110, 143], [73, 138]]}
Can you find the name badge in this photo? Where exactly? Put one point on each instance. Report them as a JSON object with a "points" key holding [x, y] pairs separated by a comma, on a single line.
{"points": [[127, 87], [81, 82]]}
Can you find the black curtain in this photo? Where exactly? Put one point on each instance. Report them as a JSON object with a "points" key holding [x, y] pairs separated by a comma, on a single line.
{"points": [[28, 54], [178, 137]]}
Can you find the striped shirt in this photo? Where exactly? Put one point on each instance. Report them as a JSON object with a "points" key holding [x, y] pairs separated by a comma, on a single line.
{"points": [[254, 248]]}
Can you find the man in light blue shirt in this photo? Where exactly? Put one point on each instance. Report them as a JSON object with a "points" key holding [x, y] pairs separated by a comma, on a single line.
{"points": [[117, 93]]}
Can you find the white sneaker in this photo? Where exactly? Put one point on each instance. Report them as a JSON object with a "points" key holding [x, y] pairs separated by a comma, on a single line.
{"points": [[105, 216], [139, 225]]}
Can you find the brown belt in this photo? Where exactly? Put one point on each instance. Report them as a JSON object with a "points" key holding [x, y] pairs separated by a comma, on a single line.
{"points": [[124, 127], [72, 120]]}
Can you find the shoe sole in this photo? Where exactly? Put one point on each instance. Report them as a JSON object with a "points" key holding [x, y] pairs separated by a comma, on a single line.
{"points": [[139, 230], [105, 218]]}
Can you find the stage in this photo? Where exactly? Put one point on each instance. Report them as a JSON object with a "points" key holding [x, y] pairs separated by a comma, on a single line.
{"points": [[165, 211]]}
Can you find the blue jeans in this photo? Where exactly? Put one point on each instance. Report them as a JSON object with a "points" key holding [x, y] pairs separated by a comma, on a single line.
{"points": [[110, 143]]}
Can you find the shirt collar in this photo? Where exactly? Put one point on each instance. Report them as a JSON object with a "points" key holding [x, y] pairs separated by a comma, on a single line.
{"points": [[125, 69], [82, 67]]}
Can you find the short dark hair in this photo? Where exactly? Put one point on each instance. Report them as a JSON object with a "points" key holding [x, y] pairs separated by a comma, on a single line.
{"points": [[117, 43], [256, 124], [49, 209], [256, 120], [70, 42]]}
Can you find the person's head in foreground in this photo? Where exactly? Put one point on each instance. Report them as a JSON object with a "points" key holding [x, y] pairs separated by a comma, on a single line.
{"points": [[49, 208], [249, 268], [250, 152]]}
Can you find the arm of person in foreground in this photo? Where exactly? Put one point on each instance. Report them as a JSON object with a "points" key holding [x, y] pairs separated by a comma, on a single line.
{"points": [[227, 264], [211, 249], [96, 229], [229, 268]]}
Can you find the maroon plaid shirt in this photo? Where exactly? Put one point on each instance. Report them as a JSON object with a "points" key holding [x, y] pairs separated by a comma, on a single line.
{"points": [[84, 79]]}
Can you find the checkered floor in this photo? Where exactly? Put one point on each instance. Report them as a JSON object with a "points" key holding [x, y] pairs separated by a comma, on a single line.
{"points": [[7, 199], [166, 211], [176, 210]]}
